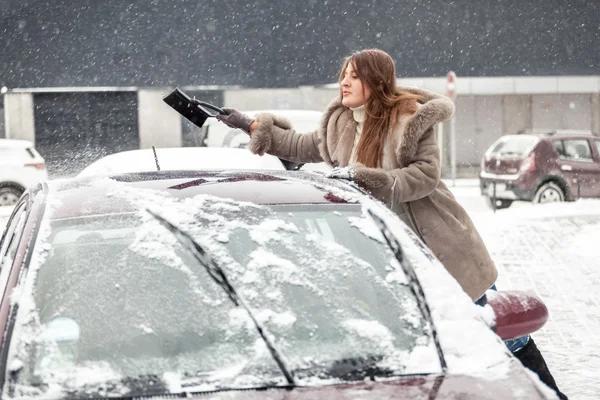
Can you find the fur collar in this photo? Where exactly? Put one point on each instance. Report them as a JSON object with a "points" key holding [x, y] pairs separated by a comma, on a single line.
{"points": [[337, 127]]}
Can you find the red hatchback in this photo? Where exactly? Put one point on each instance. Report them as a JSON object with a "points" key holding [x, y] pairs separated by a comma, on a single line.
{"points": [[541, 166]]}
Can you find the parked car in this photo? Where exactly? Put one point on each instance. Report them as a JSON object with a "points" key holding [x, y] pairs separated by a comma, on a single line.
{"points": [[181, 158], [271, 285], [21, 166], [541, 166]]}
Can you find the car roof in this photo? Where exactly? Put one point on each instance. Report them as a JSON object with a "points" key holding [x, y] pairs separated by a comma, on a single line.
{"points": [[178, 158], [15, 143], [83, 196]]}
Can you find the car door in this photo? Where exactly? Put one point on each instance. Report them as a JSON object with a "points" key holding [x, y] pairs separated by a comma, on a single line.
{"points": [[578, 165]]}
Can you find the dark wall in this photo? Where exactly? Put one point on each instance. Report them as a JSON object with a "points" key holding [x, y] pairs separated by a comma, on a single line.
{"points": [[72, 130], [268, 43]]}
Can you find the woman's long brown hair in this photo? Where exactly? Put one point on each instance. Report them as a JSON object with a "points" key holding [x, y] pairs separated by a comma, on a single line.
{"points": [[376, 69]]}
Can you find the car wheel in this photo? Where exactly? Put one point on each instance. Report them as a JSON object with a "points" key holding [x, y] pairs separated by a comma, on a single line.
{"points": [[549, 193], [499, 204], [9, 195]]}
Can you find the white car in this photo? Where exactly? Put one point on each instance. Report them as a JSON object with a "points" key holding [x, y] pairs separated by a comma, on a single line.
{"points": [[21, 166], [217, 134], [181, 158]]}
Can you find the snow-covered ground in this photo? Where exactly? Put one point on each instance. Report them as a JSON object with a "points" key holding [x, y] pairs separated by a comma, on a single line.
{"points": [[552, 251]]}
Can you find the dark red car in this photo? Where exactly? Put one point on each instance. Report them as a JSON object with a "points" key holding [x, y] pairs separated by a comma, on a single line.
{"points": [[541, 166], [235, 285]]}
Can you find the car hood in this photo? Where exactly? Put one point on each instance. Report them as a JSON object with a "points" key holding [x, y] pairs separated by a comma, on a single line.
{"points": [[515, 384]]}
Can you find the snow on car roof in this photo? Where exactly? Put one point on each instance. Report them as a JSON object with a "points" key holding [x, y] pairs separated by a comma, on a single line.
{"points": [[181, 158]]}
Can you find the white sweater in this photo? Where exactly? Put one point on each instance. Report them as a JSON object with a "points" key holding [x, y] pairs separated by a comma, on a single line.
{"points": [[359, 115]]}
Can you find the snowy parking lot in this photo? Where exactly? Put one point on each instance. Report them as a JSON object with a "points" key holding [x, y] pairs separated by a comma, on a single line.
{"points": [[552, 251]]}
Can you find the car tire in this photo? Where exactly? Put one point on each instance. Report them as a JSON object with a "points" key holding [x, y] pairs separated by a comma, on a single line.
{"points": [[499, 203], [9, 195], [549, 192]]}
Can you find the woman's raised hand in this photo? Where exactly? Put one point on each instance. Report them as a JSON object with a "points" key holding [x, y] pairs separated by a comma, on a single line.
{"points": [[236, 119]]}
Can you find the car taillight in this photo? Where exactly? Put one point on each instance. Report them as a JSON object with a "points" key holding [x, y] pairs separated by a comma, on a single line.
{"points": [[36, 165], [528, 164]]}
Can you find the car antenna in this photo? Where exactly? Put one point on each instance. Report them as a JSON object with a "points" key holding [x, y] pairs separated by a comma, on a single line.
{"points": [[156, 159]]}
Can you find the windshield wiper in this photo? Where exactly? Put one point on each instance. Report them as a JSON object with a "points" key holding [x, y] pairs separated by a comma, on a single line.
{"points": [[218, 275], [414, 284]]}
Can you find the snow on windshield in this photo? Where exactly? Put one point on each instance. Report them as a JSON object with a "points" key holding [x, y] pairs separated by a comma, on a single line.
{"points": [[328, 294]]}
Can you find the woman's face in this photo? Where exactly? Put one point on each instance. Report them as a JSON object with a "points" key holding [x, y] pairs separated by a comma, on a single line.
{"points": [[354, 92]]}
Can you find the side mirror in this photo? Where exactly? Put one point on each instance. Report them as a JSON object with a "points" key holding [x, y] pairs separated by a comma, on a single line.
{"points": [[517, 313]]}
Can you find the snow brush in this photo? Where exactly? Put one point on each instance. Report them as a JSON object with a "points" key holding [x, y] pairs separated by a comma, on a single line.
{"points": [[196, 111]]}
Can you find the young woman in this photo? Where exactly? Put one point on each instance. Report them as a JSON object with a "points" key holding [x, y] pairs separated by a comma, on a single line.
{"points": [[381, 136]]}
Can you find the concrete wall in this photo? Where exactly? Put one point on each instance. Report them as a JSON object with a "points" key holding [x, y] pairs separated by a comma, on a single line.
{"points": [[562, 111], [18, 116], [159, 125], [302, 98], [595, 104], [516, 112]]}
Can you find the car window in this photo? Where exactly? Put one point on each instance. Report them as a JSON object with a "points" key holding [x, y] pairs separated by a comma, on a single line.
{"points": [[559, 147], [512, 146], [574, 149], [10, 238], [135, 304], [597, 145]]}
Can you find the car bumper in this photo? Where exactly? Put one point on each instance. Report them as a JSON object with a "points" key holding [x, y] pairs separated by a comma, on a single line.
{"points": [[504, 187]]}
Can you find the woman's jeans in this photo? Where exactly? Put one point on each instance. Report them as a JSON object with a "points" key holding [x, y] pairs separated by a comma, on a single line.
{"points": [[512, 344]]}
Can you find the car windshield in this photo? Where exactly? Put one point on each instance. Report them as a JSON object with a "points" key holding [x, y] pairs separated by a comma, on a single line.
{"points": [[513, 146], [118, 306]]}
